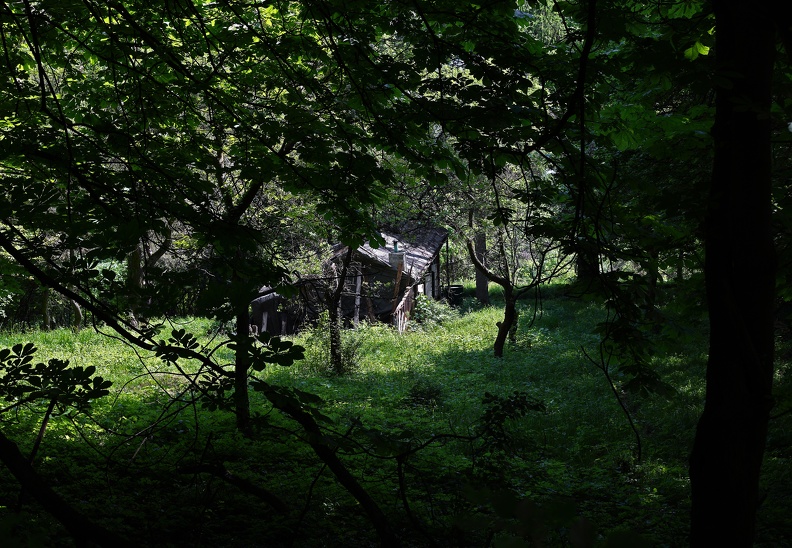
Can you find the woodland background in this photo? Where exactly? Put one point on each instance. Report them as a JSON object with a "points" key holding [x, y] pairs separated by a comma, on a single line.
{"points": [[618, 166]]}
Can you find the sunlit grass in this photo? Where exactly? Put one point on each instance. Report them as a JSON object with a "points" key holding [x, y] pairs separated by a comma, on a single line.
{"points": [[428, 382]]}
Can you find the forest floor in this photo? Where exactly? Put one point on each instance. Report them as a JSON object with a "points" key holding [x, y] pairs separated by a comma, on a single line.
{"points": [[534, 448]]}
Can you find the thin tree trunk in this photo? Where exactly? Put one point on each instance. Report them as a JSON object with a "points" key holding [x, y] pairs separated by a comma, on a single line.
{"points": [[336, 357], [482, 283], [680, 273], [653, 275], [134, 282], [510, 309], [241, 369], [358, 287], [46, 321], [77, 315], [740, 281], [334, 303]]}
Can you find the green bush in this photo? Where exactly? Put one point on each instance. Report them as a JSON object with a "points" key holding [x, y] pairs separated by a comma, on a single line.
{"points": [[317, 349], [429, 313]]}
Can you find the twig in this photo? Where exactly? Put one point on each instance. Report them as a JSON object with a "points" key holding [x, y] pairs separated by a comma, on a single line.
{"points": [[603, 366]]}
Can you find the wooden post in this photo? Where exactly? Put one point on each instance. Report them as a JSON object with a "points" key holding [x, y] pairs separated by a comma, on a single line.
{"points": [[396, 288]]}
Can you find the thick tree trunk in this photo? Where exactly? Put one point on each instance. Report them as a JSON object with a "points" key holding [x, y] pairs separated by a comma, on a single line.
{"points": [[740, 281], [586, 266], [505, 326]]}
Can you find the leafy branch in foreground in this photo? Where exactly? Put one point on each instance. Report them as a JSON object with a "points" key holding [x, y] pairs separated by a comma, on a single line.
{"points": [[183, 345], [24, 382]]}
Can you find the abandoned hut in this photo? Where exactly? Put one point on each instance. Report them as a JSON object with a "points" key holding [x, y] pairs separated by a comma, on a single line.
{"points": [[380, 283]]}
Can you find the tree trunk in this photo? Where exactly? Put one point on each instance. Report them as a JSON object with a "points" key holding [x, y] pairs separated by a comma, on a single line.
{"points": [[134, 281], [46, 317], [510, 309], [241, 369], [653, 277], [336, 357], [358, 288], [77, 315], [586, 266], [482, 283], [740, 281], [333, 305], [680, 273], [509, 319]]}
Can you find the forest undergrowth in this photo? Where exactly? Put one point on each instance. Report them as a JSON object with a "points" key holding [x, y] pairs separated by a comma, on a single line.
{"points": [[458, 447]]}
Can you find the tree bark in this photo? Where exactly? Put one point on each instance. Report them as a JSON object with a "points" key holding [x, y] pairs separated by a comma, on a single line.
{"points": [[241, 369], [509, 295], [77, 315], [653, 276], [138, 264], [336, 357], [509, 319], [333, 305], [740, 282], [586, 266], [482, 283], [46, 321], [134, 281]]}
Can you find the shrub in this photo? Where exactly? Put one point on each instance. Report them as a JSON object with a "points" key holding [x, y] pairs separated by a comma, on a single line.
{"points": [[429, 312], [317, 349]]}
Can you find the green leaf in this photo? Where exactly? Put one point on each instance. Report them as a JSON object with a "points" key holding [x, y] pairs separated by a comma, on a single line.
{"points": [[695, 50]]}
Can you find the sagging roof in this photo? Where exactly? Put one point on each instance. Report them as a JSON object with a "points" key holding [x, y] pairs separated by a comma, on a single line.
{"points": [[420, 247]]}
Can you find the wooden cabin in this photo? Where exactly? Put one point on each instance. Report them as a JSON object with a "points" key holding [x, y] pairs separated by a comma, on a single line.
{"points": [[381, 284]]}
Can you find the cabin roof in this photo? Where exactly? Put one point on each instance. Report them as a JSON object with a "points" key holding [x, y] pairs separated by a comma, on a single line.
{"points": [[420, 247]]}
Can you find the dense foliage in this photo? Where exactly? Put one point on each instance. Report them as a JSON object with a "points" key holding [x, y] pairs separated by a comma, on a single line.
{"points": [[165, 160]]}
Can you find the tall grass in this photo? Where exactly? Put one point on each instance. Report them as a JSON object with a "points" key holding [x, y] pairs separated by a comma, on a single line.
{"points": [[405, 390]]}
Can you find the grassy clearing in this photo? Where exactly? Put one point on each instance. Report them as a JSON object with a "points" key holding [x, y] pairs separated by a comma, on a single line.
{"points": [[132, 462]]}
